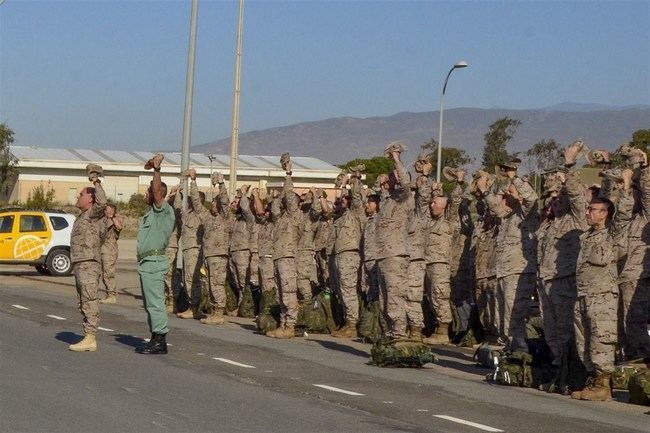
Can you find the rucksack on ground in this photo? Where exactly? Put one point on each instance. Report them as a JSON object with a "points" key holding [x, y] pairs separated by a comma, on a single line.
{"points": [[487, 355], [315, 314], [268, 318], [401, 353], [372, 323], [247, 304], [639, 387]]}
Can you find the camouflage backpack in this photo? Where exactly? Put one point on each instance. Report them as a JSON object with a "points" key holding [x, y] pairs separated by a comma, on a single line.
{"points": [[485, 355], [231, 298], [639, 387], [514, 369], [372, 323], [401, 353], [269, 317], [622, 373], [247, 304], [315, 314]]}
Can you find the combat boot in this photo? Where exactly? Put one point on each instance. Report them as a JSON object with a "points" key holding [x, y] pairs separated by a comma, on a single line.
{"points": [[415, 334], [88, 344], [233, 313], [441, 336], [283, 332], [349, 330], [599, 390], [216, 318], [190, 313], [109, 299], [157, 345]]}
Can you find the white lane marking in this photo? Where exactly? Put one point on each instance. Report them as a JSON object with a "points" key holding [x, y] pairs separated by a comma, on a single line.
{"points": [[105, 329], [388, 402], [238, 364], [20, 307], [52, 316], [335, 389], [469, 423], [422, 410]]}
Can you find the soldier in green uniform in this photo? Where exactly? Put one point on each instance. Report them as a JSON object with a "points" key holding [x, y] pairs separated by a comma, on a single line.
{"points": [[153, 236]]}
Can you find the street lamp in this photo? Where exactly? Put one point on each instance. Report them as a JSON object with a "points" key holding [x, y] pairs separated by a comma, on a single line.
{"points": [[458, 65], [211, 157]]}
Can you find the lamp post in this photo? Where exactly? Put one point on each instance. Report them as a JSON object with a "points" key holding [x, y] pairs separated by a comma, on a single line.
{"points": [[211, 157], [234, 146], [458, 65]]}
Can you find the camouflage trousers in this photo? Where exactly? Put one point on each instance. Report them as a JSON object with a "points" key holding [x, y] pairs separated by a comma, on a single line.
{"points": [[393, 276], [254, 275], [486, 304], [306, 271], [557, 300], [170, 290], [286, 276], [595, 330], [633, 318], [240, 262], [217, 271], [348, 266], [513, 295], [415, 293], [192, 262], [439, 290], [267, 274], [322, 268], [87, 275], [370, 281], [109, 262]]}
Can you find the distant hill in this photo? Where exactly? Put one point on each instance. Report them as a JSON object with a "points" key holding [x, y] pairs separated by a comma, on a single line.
{"points": [[341, 139]]}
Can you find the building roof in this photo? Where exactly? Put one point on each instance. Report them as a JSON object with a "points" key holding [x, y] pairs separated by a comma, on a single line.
{"points": [[69, 155]]}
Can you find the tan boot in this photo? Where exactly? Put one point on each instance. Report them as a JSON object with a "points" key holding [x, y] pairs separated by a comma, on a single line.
{"points": [[109, 299], [415, 334], [441, 336], [190, 313], [283, 332], [216, 318], [600, 390], [349, 330], [232, 313], [88, 344]]}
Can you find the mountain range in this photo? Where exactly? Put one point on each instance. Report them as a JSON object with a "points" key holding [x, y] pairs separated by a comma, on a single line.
{"points": [[341, 139]]}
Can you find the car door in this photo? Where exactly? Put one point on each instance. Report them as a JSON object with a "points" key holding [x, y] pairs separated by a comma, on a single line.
{"points": [[33, 236], [7, 236]]}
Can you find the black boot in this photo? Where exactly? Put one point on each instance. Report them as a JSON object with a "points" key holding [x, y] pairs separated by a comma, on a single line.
{"points": [[156, 346]]}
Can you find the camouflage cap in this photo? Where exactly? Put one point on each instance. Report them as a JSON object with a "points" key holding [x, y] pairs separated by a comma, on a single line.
{"points": [[598, 157], [214, 177], [339, 179], [424, 157], [284, 160], [512, 163], [449, 173], [185, 173], [395, 146], [94, 168], [359, 167], [614, 174]]}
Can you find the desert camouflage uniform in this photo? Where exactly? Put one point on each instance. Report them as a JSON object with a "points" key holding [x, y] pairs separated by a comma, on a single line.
{"points": [[324, 229], [216, 239], [286, 235], [557, 253], [109, 254], [171, 292], [265, 245], [439, 235], [392, 251], [348, 231], [240, 252], [306, 260], [191, 234], [370, 274], [515, 262], [86, 256]]}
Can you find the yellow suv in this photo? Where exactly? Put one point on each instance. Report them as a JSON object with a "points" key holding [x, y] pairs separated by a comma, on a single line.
{"points": [[37, 238]]}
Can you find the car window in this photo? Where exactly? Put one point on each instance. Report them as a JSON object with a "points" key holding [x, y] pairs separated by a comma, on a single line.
{"points": [[6, 223], [58, 223], [32, 223]]}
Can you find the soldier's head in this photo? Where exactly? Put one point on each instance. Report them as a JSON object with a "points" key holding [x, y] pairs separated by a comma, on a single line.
{"points": [[372, 204], [234, 204], [110, 211], [86, 198], [438, 206], [150, 197], [511, 199], [599, 211], [560, 204]]}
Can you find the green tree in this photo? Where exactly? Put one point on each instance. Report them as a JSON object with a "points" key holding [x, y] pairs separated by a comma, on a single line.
{"points": [[137, 205], [8, 170], [374, 167], [41, 198], [451, 156], [544, 155], [496, 140]]}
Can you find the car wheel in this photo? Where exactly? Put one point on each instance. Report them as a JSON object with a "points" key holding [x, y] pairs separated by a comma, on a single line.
{"points": [[59, 263], [42, 269]]}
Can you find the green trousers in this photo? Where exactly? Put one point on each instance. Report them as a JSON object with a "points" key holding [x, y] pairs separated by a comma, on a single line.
{"points": [[152, 281]]}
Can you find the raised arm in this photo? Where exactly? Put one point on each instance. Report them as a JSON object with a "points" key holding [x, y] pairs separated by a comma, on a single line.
{"points": [[196, 199], [97, 211], [527, 193], [244, 204]]}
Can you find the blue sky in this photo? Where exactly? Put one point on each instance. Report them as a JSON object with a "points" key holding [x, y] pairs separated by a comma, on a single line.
{"points": [[111, 74]]}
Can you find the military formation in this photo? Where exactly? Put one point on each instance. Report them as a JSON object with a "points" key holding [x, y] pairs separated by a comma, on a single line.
{"points": [[461, 267]]}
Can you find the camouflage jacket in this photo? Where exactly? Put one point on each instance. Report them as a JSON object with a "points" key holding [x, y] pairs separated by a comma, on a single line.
{"points": [[216, 227], [596, 265], [460, 219], [264, 236], [110, 235], [286, 214], [559, 239], [369, 239], [86, 237], [175, 202], [322, 235], [438, 240], [484, 244], [393, 218], [515, 244], [348, 227], [191, 227], [242, 226]]}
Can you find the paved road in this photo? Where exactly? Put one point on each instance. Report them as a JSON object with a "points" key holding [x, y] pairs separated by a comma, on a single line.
{"points": [[229, 378]]}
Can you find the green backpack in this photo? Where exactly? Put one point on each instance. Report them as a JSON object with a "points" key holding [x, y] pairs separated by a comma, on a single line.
{"points": [[622, 374], [231, 298], [269, 317], [514, 369], [315, 314], [401, 353], [372, 323], [247, 304], [639, 387]]}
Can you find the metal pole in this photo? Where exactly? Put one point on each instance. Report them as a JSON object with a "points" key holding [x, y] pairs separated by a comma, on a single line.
{"points": [[189, 93], [211, 158], [442, 108], [234, 146]]}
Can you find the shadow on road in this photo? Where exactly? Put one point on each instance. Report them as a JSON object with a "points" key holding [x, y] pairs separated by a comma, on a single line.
{"points": [[69, 337], [341, 348], [129, 340]]}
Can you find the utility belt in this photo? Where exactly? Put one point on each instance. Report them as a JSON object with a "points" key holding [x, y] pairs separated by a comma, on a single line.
{"points": [[158, 252]]}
